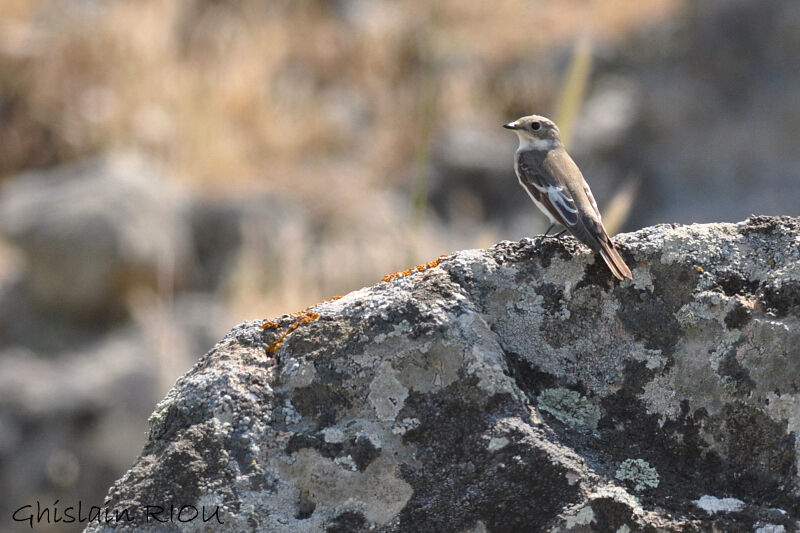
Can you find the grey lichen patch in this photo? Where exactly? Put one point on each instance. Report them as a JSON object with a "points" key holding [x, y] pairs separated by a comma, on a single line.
{"points": [[297, 373], [713, 504], [401, 427], [569, 407], [531, 302], [771, 353], [377, 492], [567, 273], [700, 244], [642, 278], [497, 443], [386, 393], [583, 517], [707, 306], [431, 369], [639, 472]]}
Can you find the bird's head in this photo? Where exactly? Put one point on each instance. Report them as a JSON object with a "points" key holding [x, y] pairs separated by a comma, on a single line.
{"points": [[536, 132]]}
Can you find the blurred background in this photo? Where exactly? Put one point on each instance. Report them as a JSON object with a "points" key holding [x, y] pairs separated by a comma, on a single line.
{"points": [[171, 168]]}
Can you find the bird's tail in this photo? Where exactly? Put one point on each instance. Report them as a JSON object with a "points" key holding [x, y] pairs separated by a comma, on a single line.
{"points": [[614, 261]]}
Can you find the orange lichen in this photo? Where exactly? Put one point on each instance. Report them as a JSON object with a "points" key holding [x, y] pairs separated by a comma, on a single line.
{"points": [[309, 316], [699, 270], [418, 268], [303, 317]]}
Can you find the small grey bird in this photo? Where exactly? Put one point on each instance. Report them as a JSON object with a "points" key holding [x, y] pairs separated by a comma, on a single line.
{"points": [[555, 184]]}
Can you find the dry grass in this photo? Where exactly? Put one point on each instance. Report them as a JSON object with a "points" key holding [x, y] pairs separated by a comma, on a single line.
{"points": [[239, 93], [321, 106]]}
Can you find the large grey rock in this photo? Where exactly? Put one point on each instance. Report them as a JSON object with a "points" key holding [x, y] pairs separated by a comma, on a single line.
{"points": [[517, 388]]}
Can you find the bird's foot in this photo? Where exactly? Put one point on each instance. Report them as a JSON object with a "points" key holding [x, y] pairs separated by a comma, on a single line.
{"points": [[540, 239], [543, 236]]}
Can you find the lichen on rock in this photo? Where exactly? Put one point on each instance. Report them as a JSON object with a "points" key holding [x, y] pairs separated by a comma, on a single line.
{"points": [[569, 407], [515, 388], [639, 472]]}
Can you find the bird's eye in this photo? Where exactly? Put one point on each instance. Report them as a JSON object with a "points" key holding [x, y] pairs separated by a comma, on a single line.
{"points": [[536, 125]]}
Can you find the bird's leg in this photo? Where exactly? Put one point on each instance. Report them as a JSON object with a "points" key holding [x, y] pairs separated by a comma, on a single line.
{"points": [[560, 233], [542, 236]]}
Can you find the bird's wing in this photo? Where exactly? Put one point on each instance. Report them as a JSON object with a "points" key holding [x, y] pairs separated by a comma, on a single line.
{"points": [[554, 181], [546, 189], [591, 199]]}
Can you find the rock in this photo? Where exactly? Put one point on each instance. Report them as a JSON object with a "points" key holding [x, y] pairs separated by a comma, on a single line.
{"points": [[119, 209], [514, 388]]}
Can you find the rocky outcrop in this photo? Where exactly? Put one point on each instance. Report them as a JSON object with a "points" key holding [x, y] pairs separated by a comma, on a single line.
{"points": [[518, 388]]}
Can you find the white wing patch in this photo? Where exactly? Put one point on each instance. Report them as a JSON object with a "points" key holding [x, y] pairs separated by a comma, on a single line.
{"points": [[563, 204], [549, 198]]}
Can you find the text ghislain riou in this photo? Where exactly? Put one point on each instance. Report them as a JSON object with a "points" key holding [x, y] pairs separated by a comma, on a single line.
{"points": [[141, 514]]}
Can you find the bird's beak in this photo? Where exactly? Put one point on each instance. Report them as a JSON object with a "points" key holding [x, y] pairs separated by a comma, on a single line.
{"points": [[510, 125]]}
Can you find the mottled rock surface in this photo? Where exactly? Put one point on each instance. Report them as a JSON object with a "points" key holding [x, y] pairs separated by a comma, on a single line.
{"points": [[518, 388]]}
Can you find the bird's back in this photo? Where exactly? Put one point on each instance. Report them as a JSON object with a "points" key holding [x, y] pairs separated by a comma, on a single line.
{"points": [[559, 163]]}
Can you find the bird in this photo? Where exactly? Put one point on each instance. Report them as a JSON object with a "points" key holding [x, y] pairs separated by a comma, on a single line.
{"points": [[557, 187]]}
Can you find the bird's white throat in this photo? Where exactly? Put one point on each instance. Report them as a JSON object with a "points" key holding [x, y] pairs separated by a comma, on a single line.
{"points": [[526, 143]]}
